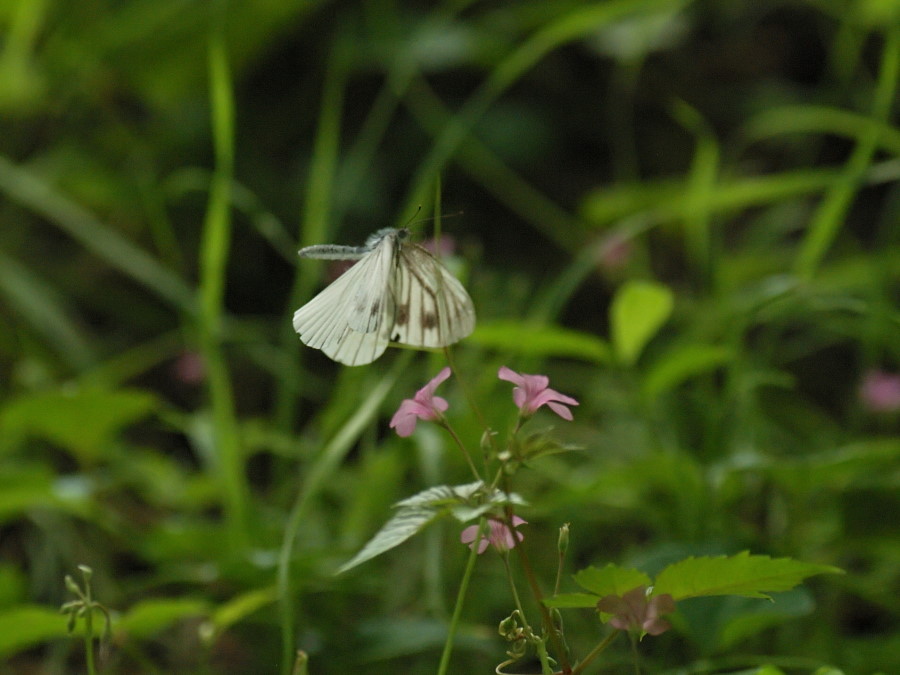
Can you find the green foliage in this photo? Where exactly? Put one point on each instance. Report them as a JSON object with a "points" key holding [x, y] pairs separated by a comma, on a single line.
{"points": [[684, 213], [636, 314], [84, 423], [610, 580], [25, 626], [752, 576], [463, 502], [543, 341], [148, 617]]}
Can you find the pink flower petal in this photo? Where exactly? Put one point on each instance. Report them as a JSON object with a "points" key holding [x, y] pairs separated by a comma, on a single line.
{"points": [[533, 391], [423, 406], [560, 410], [510, 376]]}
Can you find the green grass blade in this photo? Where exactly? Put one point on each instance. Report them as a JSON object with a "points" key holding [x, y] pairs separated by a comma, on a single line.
{"points": [[830, 216], [315, 219], [571, 26], [316, 478], [40, 307], [213, 261], [30, 191]]}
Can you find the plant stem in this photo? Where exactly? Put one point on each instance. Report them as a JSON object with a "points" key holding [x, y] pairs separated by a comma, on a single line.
{"points": [[594, 653], [460, 596], [546, 619], [444, 423]]}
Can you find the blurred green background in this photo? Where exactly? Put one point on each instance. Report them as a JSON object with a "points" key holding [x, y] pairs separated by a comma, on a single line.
{"points": [[162, 160]]}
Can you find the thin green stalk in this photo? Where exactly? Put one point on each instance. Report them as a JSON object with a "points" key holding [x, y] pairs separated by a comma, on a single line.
{"points": [[26, 188], [516, 193], [316, 477], [594, 653], [89, 632], [314, 224], [530, 577], [213, 261], [701, 185], [831, 213], [444, 423], [460, 597], [517, 601], [569, 27]]}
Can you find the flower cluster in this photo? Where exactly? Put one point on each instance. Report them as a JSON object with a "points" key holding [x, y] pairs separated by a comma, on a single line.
{"points": [[530, 393]]}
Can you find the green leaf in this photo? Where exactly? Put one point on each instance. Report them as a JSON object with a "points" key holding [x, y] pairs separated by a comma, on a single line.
{"points": [[571, 600], [416, 512], [242, 606], [33, 300], [752, 576], [148, 617], [682, 363], [84, 422], [716, 624], [752, 616], [610, 580], [26, 626], [26, 488], [13, 584], [517, 337], [407, 522], [638, 311]]}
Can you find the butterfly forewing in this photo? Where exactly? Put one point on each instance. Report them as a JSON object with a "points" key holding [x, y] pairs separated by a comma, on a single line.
{"points": [[326, 322], [372, 300]]}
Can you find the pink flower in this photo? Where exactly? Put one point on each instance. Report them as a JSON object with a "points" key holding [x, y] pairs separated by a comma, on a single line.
{"points": [[880, 391], [443, 247], [634, 611], [423, 406], [531, 392], [189, 368], [615, 252], [498, 535]]}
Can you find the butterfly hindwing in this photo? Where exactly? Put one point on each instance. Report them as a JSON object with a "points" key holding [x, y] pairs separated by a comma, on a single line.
{"points": [[432, 309]]}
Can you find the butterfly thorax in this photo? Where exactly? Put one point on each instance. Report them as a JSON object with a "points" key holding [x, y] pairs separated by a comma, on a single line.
{"points": [[377, 237]]}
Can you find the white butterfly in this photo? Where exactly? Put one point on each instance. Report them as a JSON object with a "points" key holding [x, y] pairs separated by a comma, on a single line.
{"points": [[396, 292]]}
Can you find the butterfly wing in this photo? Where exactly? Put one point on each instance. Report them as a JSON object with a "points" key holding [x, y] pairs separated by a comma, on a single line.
{"points": [[432, 309], [351, 320]]}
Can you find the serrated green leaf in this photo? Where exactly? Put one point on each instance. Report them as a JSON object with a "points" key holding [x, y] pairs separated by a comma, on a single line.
{"points": [[529, 340], [408, 521], [416, 512], [611, 579], [637, 312], [743, 574], [442, 495], [571, 600], [148, 617], [25, 626]]}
